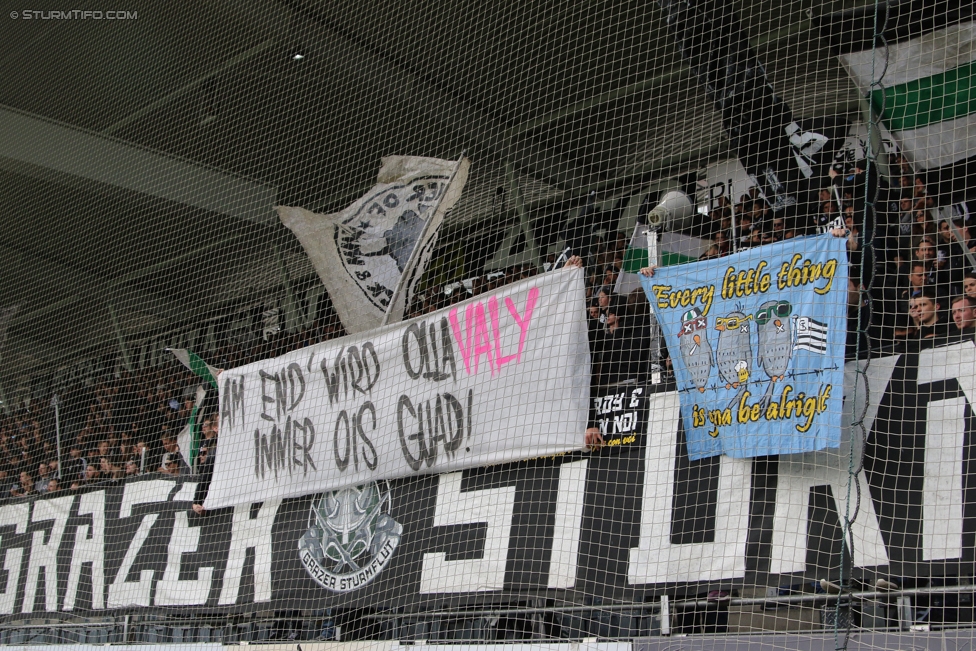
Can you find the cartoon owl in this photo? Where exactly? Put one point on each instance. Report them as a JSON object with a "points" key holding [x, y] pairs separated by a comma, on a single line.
{"points": [[775, 345], [696, 352], [775, 338], [734, 353]]}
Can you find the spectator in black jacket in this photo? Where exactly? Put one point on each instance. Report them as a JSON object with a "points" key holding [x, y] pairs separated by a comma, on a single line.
{"points": [[74, 467], [205, 462], [623, 348], [924, 311]]}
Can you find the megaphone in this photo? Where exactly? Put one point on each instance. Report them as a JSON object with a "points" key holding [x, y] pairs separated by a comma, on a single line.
{"points": [[673, 212]]}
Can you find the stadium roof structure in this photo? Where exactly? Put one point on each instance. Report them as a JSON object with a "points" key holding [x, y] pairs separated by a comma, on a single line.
{"points": [[139, 156]]}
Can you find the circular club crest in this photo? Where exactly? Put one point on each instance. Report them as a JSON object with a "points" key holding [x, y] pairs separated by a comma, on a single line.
{"points": [[350, 538], [376, 241]]}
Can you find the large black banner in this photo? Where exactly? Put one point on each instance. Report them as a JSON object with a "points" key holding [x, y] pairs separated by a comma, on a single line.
{"points": [[786, 156], [634, 520]]}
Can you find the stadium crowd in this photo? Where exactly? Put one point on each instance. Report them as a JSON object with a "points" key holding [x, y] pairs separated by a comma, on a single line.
{"points": [[919, 290], [919, 285], [123, 426]]}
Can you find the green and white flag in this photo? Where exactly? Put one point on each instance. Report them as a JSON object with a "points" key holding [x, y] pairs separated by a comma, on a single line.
{"points": [[189, 438], [673, 248], [199, 367], [927, 99]]}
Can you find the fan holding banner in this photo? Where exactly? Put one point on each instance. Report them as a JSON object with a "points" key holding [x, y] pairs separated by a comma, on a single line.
{"points": [[757, 346]]}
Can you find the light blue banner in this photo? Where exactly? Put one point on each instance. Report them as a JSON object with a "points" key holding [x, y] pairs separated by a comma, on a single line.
{"points": [[757, 345]]}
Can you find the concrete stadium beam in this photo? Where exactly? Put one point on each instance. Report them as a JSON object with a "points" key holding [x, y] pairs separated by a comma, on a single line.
{"points": [[673, 74], [51, 151], [478, 129], [47, 144], [82, 284], [164, 101], [115, 289], [540, 166]]}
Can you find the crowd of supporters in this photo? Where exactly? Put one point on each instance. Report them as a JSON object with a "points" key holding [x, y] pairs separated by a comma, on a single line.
{"points": [[124, 426], [920, 287]]}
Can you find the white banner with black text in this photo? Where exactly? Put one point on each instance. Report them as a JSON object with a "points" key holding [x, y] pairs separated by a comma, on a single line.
{"points": [[500, 377]]}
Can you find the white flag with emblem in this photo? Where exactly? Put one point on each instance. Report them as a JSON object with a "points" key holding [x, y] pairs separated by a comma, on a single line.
{"points": [[371, 255]]}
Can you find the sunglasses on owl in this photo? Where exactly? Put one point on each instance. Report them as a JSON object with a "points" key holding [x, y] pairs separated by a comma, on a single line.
{"points": [[732, 323], [779, 311]]}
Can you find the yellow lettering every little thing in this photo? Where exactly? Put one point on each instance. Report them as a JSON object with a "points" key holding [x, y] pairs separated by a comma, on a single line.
{"points": [[666, 298], [745, 282], [795, 274]]}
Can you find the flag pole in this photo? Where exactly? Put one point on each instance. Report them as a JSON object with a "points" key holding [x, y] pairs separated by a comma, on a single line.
{"points": [[955, 231], [57, 430], [416, 250], [735, 245], [654, 327]]}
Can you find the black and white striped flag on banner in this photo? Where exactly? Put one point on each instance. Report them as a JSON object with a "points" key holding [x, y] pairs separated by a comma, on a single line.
{"points": [[811, 335]]}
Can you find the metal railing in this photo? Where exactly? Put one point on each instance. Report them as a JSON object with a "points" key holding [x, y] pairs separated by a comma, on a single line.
{"points": [[571, 622]]}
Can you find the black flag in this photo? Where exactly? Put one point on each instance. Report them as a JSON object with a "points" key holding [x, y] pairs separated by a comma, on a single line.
{"points": [[789, 158]]}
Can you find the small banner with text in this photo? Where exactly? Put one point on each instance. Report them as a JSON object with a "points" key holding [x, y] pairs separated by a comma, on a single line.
{"points": [[757, 344]]}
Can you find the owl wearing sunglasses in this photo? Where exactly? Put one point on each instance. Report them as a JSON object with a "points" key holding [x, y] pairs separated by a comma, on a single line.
{"points": [[775, 345], [775, 338], [733, 352]]}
